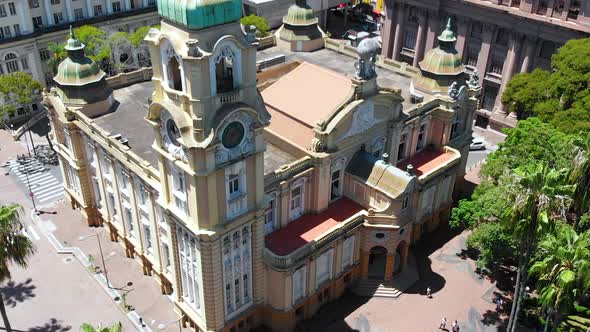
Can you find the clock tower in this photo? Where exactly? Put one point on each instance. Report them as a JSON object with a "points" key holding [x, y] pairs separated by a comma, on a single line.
{"points": [[208, 118]]}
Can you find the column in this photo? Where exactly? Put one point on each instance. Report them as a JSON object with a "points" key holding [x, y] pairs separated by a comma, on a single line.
{"points": [[387, 30], [48, 16], [69, 12], [433, 27], [462, 31], [514, 43], [89, 9], [109, 6], [486, 46], [24, 16], [566, 9], [399, 27], [529, 53], [420, 38]]}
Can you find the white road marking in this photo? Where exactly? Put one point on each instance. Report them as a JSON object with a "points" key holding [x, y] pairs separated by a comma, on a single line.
{"points": [[33, 233]]}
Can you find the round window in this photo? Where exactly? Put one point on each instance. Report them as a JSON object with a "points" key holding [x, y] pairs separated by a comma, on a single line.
{"points": [[232, 135], [172, 132], [379, 235]]}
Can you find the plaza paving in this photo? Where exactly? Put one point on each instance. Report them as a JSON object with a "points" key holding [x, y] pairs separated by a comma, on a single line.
{"points": [[458, 293]]}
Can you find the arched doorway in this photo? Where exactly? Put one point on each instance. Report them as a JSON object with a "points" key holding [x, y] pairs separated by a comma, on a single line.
{"points": [[400, 256], [377, 261]]}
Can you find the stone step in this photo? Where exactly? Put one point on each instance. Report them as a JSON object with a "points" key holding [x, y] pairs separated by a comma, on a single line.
{"points": [[377, 288]]}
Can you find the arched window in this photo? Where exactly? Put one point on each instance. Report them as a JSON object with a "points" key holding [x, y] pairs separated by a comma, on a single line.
{"points": [[174, 77], [11, 63], [224, 73]]}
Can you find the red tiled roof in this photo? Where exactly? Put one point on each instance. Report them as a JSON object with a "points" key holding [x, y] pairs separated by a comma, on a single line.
{"points": [[426, 161], [308, 227]]}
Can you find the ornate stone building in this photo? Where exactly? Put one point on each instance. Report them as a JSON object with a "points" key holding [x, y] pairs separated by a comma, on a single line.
{"points": [[496, 37], [255, 207]]}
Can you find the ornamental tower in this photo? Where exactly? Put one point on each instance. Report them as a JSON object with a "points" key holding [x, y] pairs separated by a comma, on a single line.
{"points": [[208, 120]]}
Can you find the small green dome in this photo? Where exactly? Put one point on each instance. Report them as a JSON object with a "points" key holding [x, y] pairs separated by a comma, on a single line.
{"points": [[77, 69], [200, 14], [444, 59], [447, 35], [300, 14]]}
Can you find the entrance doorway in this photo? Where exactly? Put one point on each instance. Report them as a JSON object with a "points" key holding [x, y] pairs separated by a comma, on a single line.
{"points": [[399, 253], [377, 261]]}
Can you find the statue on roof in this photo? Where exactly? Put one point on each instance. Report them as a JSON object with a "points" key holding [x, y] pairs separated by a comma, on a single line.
{"points": [[365, 64]]}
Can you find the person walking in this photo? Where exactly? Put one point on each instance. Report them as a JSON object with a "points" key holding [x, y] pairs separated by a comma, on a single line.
{"points": [[428, 294], [443, 324], [455, 327]]}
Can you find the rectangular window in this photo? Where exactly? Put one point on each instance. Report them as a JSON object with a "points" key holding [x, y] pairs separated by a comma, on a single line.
{"points": [[67, 139], [405, 202], [296, 202], [129, 220], [299, 278], [2, 10], [116, 7], [497, 63], [58, 18], [166, 255], [12, 8], [323, 266], [151, 2], [410, 40], [147, 237], [16, 28], [574, 10], [106, 167], [33, 4], [98, 10], [38, 23], [8, 34], [113, 204], [55, 2], [269, 216], [421, 138], [78, 14], [401, 148], [234, 185], [336, 190], [24, 62], [471, 56], [347, 251], [456, 126], [490, 93]]}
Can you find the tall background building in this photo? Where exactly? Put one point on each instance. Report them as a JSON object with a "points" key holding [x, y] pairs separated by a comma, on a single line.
{"points": [[499, 38], [26, 27]]}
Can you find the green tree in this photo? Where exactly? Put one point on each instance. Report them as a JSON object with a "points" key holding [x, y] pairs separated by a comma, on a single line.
{"points": [[17, 91], [96, 41], [563, 272], [15, 248], [260, 23], [117, 327], [561, 96], [494, 242], [540, 195], [580, 177], [487, 203], [58, 54]]}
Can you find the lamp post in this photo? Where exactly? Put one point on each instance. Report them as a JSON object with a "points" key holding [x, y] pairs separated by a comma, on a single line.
{"points": [[163, 326], [82, 238], [26, 140]]}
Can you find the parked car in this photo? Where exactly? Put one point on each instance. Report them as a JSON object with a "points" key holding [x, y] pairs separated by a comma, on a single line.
{"points": [[477, 144]]}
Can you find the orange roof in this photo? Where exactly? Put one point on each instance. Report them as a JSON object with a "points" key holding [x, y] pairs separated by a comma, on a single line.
{"points": [[426, 161], [309, 227], [303, 97]]}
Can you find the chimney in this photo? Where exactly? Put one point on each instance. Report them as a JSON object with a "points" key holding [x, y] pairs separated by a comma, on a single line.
{"points": [[385, 157], [410, 169]]}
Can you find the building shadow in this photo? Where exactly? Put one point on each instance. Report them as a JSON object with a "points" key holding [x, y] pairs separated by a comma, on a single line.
{"points": [[14, 293], [53, 325], [42, 127]]}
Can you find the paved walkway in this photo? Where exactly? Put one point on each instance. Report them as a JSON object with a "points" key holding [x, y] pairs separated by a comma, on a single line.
{"points": [[458, 293]]}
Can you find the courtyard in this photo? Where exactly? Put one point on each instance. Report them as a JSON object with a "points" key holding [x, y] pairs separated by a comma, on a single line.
{"points": [[458, 293]]}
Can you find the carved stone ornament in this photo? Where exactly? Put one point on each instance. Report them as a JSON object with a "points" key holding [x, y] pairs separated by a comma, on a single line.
{"points": [[173, 147], [247, 144], [224, 52], [193, 48], [474, 79], [318, 146], [457, 92]]}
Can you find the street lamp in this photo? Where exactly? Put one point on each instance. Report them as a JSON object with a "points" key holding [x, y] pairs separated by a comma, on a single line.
{"points": [[82, 238], [163, 326], [26, 140]]}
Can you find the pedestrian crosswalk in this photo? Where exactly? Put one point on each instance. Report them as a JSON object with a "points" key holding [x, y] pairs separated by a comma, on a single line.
{"points": [[44, 185]]}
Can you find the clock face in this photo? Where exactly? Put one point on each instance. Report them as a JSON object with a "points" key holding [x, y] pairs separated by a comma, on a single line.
{"points": [[172, 132], [233, 134]]}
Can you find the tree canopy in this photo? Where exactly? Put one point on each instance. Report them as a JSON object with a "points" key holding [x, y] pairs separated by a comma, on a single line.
{"points": [[561, 96], [260, 23], [17, 90]]}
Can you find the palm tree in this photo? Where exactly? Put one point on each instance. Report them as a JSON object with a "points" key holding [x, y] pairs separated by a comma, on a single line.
{"points": [[58, 54], [580, 176], [117, 327], [564, 271], [540, 194], [14, 248]]}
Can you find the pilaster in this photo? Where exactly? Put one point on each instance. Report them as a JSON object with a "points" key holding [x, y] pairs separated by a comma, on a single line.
{"points": [[433, 27], [69, 12], [388, 29], [421, 37], [399, 29], [48, 17], [486, 46], [530, 44], [514, 47], [462, 32]]}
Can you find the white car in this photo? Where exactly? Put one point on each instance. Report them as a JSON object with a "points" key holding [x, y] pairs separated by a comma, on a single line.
{"points": [[477, 144]]}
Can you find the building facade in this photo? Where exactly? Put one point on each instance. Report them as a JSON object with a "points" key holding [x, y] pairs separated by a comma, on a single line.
{"points": [[498, 38], [257, 207], [27, 27]]}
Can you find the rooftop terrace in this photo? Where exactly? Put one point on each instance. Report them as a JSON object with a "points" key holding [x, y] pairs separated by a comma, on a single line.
{"points": [[427, 161], [309, 227]]}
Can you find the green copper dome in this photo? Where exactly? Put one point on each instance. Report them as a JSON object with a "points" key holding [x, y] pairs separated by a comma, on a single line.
{"points": [[77, 69], [200, 14], [300, 14], [443, 60]]}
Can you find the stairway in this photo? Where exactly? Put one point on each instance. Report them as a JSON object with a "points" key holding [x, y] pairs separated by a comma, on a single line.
{"points": [[379, 288]]}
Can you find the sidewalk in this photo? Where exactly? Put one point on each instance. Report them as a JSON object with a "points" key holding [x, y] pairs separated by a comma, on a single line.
{"points": [[125, 274]]}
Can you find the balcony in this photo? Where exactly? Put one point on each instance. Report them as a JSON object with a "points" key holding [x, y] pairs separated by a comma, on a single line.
{"points": [[429, 162], [311, 232]]}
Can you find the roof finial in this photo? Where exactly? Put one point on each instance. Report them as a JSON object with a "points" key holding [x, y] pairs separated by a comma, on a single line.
{"points": [[447, 35], [72, 32], [448, 23]]}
